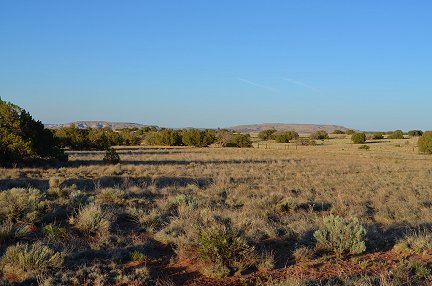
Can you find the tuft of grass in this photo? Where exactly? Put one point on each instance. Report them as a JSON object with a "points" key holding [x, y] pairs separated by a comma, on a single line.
{"points": [[417, 242], [52, 231], [138, 256], [93, 220], [110, 196], [303, 253], [22, 261]]}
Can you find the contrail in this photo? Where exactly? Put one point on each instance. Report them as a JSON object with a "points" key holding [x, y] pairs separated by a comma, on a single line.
{"points": [[301, 84], [256, 84]]}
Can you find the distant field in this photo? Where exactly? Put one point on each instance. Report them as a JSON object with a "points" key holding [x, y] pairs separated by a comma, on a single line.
{"points": [[161, 205]]}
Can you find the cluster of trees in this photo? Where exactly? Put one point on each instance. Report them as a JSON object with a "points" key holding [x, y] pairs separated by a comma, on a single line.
{"points": [[75, 138], [101, 139], [348, 132], [279, 137], [24, 139], [198, 138]]}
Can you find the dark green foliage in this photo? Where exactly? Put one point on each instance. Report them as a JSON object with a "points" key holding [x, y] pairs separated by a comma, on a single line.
{"points": [[96, 139], [166, 137], [350, 132], [378, 136], [285, 137], [74, 138], [342, 236], [425, 143], [198, 138], [364, 147], [338, 132], [111, 157], [267, 134], [415, 133], [319, 135], [240, 140], [398, 134], [358, 138], [22, 138]]}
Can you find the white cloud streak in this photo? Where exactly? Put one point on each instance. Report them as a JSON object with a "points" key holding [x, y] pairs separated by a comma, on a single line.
{"points": [[256, 84], [300, 83]]}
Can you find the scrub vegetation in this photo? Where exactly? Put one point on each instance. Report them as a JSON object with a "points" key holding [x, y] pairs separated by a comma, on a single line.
{"points": [[326, 213]]}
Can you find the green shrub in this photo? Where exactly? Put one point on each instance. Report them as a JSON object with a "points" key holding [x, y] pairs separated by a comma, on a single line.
{"points": [[364, 147], [267, 134], [21, 205], [198, 138], [319, 135], [52, 231], [92, 220], [358, 138], [415, 133], [24, 261], [285, 137], [378, 136], [425, 143], [111, 157], [350, 132], [397, 134], [342, 236], [240, 140], [338, 132]]}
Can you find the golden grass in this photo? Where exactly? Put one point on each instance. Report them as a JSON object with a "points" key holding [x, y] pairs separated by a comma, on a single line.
{"points": [[271, 194]]}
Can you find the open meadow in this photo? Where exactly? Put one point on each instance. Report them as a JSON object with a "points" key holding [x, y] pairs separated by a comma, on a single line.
{"points": [[223, 216]]}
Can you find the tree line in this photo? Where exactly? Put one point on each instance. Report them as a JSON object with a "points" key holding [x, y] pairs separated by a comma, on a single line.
{"points": [[75, 138]]}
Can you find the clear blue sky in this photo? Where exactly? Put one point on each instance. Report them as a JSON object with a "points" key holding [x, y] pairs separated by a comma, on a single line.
{"points": [[362, 64]]}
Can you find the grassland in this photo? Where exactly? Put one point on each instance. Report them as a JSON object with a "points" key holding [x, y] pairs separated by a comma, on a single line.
{"points": [[155, 218]]}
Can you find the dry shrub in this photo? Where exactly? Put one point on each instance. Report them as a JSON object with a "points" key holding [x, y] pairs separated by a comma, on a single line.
{"points": [[219, 249], [10, 231], [93, 220], [110, 196], [21, 205], [303, 253], [24, 261]]}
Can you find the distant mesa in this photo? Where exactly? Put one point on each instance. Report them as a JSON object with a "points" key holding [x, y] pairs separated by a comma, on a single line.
{"points": [[299, 128], [99, 124]]}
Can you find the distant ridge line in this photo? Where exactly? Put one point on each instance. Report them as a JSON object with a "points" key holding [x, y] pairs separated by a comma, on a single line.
{"points": [[99, 124], [300, 128]]}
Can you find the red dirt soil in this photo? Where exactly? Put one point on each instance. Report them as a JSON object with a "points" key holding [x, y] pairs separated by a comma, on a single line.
{"points": [[183, 273]]}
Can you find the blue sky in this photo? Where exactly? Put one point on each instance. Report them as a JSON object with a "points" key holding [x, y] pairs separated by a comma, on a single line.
{"points": [[362, 64]]}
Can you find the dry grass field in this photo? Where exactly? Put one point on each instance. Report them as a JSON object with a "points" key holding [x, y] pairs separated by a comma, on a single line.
{"points": [[219, 216]]}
